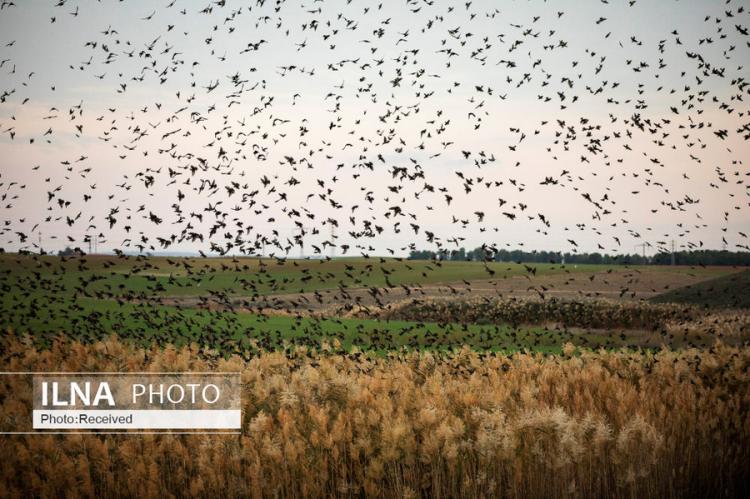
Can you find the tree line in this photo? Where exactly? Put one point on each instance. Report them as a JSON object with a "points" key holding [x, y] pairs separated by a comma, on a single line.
{"points": [[491, 254]]}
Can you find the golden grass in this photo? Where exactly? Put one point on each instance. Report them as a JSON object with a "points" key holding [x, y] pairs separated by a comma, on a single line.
{"points": [[330, 424], [570, 313]]}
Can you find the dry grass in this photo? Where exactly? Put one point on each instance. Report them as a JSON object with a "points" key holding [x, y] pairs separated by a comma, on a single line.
{"points": [[606, 314], [726, 324], [327, 423]]}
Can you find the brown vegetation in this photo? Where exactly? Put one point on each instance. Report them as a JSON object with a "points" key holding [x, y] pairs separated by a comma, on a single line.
{"points": [[569, 313], [330, 423]]}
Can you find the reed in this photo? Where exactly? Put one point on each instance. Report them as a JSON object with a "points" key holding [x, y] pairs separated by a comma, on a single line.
{"points": [[328, 423]]}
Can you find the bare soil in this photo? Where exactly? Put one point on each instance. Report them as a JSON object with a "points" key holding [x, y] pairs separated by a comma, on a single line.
{"points": [[627, 285]]}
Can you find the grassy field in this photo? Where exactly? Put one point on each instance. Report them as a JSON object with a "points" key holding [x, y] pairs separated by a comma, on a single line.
{"points": [[721, 292], [248, 276], [147, 323], [243, 332], [106, 275], [92, 297]]}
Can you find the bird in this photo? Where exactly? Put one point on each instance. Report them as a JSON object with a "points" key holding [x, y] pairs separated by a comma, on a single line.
{"points": [[422, 133]]}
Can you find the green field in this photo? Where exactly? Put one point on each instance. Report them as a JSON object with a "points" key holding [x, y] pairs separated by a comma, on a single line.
{"points": [[730, 291], [251, 276], [94, 296], [147, 324]]}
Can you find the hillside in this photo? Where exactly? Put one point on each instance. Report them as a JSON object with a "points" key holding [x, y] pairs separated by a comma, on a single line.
{"points": [[729, 291]]}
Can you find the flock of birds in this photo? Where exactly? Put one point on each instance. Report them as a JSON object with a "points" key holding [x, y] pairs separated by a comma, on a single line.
{"points": [[341, 126], [41, 296]]}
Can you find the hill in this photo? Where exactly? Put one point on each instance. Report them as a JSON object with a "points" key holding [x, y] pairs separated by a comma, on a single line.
{"points": [[729, 291]]}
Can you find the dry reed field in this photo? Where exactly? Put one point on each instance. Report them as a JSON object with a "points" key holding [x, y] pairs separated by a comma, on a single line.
{"points": [[331, 423]]}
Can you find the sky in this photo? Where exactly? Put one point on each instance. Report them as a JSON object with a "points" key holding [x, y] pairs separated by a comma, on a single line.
{"points": [[377, 127]]}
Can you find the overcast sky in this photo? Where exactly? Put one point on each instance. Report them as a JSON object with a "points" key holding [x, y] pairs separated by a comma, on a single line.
{"points": [[123, 118]]}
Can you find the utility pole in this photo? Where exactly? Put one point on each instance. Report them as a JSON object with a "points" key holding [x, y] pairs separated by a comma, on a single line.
{"points": [[643, 246], [333, 237], [39, 241], [672, 252], [302, 242]]}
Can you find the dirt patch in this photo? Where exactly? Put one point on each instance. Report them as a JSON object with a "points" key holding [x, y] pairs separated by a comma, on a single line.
{"points": [[614, 284]]}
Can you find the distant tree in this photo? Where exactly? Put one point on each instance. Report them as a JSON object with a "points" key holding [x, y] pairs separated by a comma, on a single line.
{"points": [[68, 251], [422, 255], [704, 257], [491, 253]]}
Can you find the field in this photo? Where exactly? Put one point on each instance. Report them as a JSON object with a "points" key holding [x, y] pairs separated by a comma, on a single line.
{"points": [[338, 424], [732, 290], [383, 377], [233, 301]]}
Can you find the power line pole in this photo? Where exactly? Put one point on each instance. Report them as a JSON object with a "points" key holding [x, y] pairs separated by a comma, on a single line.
{"points": [[672, 252], [333, 237], [302, 242], [643, 246]]}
